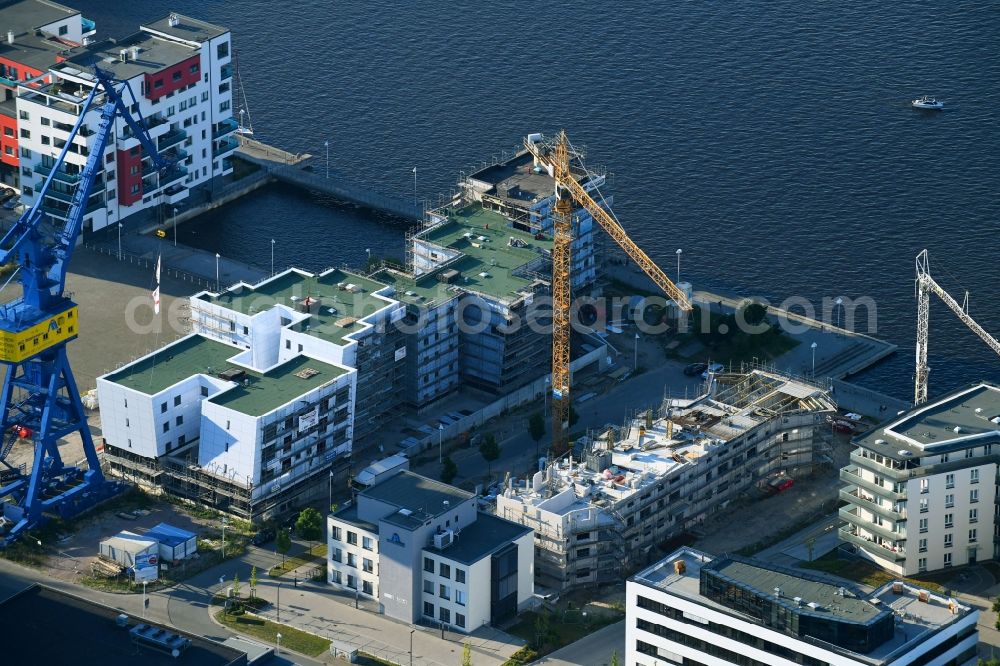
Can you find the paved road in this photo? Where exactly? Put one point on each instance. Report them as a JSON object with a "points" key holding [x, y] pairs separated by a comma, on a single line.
{"points": [[592, 650]]}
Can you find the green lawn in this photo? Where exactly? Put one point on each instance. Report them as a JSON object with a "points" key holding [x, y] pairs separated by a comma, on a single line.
{"points": [[267, 631], [564, 627], [315, 553], [864, 572]]}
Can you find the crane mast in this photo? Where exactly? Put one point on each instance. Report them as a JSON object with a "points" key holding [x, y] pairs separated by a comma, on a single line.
{"points": [[556, 157], [926, 285], [40, 400]]}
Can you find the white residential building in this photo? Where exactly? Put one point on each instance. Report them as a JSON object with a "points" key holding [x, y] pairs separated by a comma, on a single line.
{"points": [[922, 486], [179, 73], [420, 548], [599, 518], [692, 609]]}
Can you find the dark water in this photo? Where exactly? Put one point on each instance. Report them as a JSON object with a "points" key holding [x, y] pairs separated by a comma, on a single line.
{"points": [[771, 140]]}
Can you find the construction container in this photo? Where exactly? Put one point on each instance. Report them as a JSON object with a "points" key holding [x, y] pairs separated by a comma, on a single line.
{"points": [[175, 544], [125, 547]]}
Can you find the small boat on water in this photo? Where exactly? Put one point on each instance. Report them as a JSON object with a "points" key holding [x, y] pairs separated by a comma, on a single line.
{"points": [[929, 103]]}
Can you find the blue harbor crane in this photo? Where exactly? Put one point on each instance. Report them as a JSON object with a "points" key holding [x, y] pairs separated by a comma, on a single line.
{"points": [[40, 401]]}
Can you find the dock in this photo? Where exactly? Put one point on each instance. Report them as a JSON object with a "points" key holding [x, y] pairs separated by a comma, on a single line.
{"points": [[301, 170]]}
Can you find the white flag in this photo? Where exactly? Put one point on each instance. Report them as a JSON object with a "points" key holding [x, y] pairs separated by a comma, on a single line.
{"points": [[157, 270], [156, 292], [414, 169]]}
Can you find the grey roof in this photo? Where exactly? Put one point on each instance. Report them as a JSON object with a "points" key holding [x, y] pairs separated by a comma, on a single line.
{"points": [[36, 51], [156, 54], [27, 15], [350, 515], [85, 634], [187, 28], [481, 539], [930, 428], [416, 493]]}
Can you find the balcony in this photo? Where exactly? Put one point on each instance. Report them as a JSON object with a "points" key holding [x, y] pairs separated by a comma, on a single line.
{"points": [[888, 472], [88, 25], [858, 498], [847, 533], [171, 138], [227, 126], [173, 176], [61, 176], [851, 475], [63, 213], [225, 146], [850, 515]]}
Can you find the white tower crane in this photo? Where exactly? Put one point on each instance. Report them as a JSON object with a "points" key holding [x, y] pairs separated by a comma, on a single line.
{"points": [[925, 286]]}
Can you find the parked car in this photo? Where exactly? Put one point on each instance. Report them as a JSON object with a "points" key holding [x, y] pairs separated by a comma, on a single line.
{"points": [[12, 203], [265, 535], [6, 195], [695, 369]]}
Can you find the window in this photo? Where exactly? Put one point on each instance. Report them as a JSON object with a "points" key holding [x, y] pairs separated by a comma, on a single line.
{"points": [[947, 540], [352, 538], [428, 565], [352, 582], [459, 575], [923, 546], [973, 476], [163, 408], [8, 131], [923, 505], [944, 457], [224, 106], [352, 560], [949, 501], [949, 520], [336, 577], [338, 555], [63, 30], [177, 75], [166, 426], [428, 609], [444, 571], [429, 587], [204, 391], [367, 543], [583, 552], [179, 420], [46, 141], [337, 534], [947, 559], [23, 115], [460, 597], [922, 564], [25, 134], [444, 615], [923, 525], [973, 515], [925, 485], [974, 495], [969, 453], [367, 566], [460, 620], [366, 587], [444, 592], [973, 536], [949, 480], [222, 50]]}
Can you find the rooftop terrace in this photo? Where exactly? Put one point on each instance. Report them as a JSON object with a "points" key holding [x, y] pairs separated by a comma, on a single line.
{"points": [[194, 355], [187, 28], [344, 299]]}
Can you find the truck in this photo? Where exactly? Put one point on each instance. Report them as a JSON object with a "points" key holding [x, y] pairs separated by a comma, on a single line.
{"points": [[380, 470]]}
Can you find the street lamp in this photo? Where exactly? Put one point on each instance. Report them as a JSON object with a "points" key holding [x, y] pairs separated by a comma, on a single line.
{"points": [[414, 186], [329, 506], [327, 144], [224, 523], [175, 227], [440, 437], [635, 359], [279, 602], [545, 399], [838, 302], [813, 347], [217, 283], [272, 257], [144, 599], [679, 251], [278, 636], [411, 646], [119, 241], [368, 254]]}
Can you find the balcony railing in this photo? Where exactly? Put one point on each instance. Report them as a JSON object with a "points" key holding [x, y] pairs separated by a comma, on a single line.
{"points": [[859, 498], [850, 515], [171, 138], [62, 176], [847, 533], [173, 176], [227, 126], [227, 145], [851, 475]]}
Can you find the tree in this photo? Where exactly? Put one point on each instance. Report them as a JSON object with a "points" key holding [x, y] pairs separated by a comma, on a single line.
{"points": [[283, 542], [490, 450], [449, 470], [536, 427], [236, 585], [754, 313], [614, 658], [310, 524], [253, 581], [466, 654]]}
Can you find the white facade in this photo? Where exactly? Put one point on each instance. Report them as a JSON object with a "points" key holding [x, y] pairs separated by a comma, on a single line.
{"points": [[669, 622], [922, 487], [189, 117]]}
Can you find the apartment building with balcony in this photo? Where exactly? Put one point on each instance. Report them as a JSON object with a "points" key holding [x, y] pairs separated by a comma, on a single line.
{"points": [[421, 549], [33, 35], [598, 518], [922, 487], [179, 76], [691, 608]]}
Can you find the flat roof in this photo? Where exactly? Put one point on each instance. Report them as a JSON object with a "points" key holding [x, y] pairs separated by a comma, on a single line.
{"points": [[416, 493], [931, 428], [350, 515], [195, 354], [27, 15], [156, 54], [340, 310], [481, 539], [425, 290], [54, 627], [35, 51], [187, 28], [516, 179], [474, 226]]}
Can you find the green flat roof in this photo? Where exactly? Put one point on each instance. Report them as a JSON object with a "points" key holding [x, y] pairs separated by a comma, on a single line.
{"points": [[324, 324], [425, 290], [198, 355], [495, 255]]}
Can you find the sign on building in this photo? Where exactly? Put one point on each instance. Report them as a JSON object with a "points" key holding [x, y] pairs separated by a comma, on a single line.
{"points": [[309, 420]]}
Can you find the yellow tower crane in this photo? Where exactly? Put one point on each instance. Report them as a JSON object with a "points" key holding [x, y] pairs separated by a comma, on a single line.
{"points": [[555, 156]]}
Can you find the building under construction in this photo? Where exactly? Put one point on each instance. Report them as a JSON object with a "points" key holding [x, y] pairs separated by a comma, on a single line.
{"points": [[598, 518]]}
